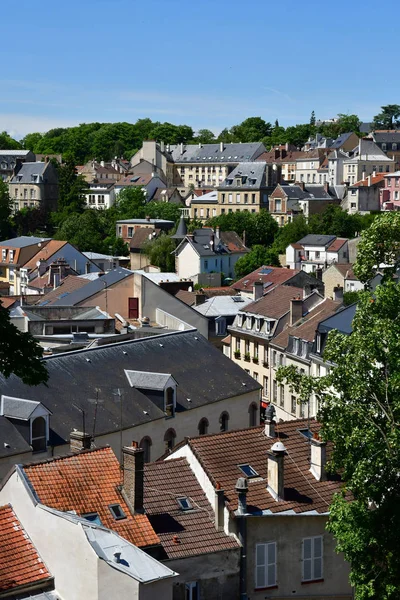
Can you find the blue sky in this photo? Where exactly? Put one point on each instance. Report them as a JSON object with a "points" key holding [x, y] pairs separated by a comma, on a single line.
{"points": [[209, 63]]}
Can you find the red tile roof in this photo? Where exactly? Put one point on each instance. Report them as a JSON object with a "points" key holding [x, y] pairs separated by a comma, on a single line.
{"points": [[346, 270], [7, 301], [165, 481], [336, 244], [186, 297], [45, 253], [379, 178], [88, 483], [220, 454], [276, 303], [276, 276], [20, 563]]}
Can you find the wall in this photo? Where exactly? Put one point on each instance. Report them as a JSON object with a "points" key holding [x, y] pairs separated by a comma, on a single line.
{"points": [[114, 298], [331, 278], [187, 261], [288, 532], [114, 584]]}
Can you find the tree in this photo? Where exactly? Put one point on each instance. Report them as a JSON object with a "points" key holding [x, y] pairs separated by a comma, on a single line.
{"points": [[253, 129], [205, 136], [163, 210], [312, 119], [388, 118], [84, 230], [160, 252], [335, 221], [289, 234], [258, 256], [19, 353], [131, 203], [7, 142], [30, 141], [379, 245], [255, 228], [71, 190], [5, 211], [31, 221]]}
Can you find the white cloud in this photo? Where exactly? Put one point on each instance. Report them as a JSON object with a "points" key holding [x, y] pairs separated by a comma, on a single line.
{"points": [[19, 125]]}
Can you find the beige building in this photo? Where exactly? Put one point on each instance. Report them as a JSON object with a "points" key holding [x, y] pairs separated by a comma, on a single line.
{"points": [[308, 166], [34, 185], [340, 276], [367, 159], [282, 159]]}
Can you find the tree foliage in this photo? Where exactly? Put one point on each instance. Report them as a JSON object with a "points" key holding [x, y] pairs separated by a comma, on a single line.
{"points": [[258, 256], [19, 353], [257, 228], [5, 211], [160, 252], [71, 190], [388, 118], [360, 414], [7, 142]]}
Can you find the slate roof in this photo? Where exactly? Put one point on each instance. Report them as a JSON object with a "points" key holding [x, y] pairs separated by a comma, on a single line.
{"points": [[209, 198], [231, 153], [28, 170], [45, 253], [151, 381], [20, 563], [221, 454], [268, 275], [17, 408], [387, 136], [252, 176], [165, 481], [275, 303], [20, 153], [87, 482], [70, 284], [313, 239], [23, 241], [342, 321], [203, 374], [147, 222], [93, 287], [311, 192], [200, 240], [340, 140], [368, 150], [12, 441]]}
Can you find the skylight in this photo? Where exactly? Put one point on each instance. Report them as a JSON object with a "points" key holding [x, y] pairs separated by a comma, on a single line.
{"points": [[306, 433], [93, 518], [117, 512], [184, 503], [248, 471]]}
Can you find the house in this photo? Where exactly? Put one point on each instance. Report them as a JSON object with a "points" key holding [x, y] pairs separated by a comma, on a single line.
{"points": [[336, 160], [270, 277], [127, 227], [207, 251], [259, 322], [34, 185], [288, 201], [156, 390], [171, 194], [14, 254], [111, 292], [105, 262], [366, 159], [340, 276], [101, 194], [276, 497], [11, 161], [390, 192], [308, 164], [345, 142], [150, 183], [204, 206], [113, 170], [364, 196], [46, 497], [388, 140], [220, 312], [315, 252], [196, 165], [293, 347], [282, 159]]}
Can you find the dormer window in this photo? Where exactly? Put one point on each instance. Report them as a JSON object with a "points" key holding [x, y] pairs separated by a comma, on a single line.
{"points": [[248, 322], [319, 343], [184, 503], [170, 401], [160, 388], [258, 323], [267, 326], [295, 345], [34, 414]]}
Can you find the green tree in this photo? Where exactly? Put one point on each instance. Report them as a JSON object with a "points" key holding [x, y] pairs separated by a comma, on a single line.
{"points": [[253, 129], [163, 210], [312, 119], [131, 203], [7, 142], [360, 415], [19, 353], [30, 141], [84, 230], [388, 118], [71, 190], [379, 244], [205, 136], [258, 256], [5, 211], [289, 234], [335, 221], [257, 228], [31, 221], [160, 252]]}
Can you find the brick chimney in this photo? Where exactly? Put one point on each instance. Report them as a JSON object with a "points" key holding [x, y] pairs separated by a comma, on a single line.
{"points": [[338, 293], [275, 460], [300, 184], [199, 299], [133, 476], [258, 289], [219, 505], [326, 187], [296, 310], [318, 459], [79, 441]]}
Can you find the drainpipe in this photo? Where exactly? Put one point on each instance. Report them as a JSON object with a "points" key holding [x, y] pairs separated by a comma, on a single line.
{"points": [[242, 489]]}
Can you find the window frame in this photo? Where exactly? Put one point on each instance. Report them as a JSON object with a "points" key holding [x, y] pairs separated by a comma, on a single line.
{"points": [[266, 582], [314, 575]]}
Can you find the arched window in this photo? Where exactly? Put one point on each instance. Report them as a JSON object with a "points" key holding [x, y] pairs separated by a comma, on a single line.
{"points": [[203, 427], [145, 444], [253, 415], [169, 439], [223, 420], [39, 438], [169, 401]]}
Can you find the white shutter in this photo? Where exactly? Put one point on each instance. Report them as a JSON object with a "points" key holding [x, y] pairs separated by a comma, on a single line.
{"points": [[307, 559], [312, 555], [261, 571], [271, 563], [318, 549]]}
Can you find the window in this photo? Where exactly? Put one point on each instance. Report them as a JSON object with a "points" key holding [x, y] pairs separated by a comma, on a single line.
{"points": [[246, 198], [253, 198], [38, 435], [281, 395], [248, 471], [93, 518], [237, 344], [265, 565], [222, 198], [394, 146], [293, 404], [274, 358], [318, 343], [275, 392], [389, 181], [11, 256], [206, 264], [192, 590], [223, 421], [384, 147], [256, 347], [145, 445], [247, 347], [130, 232], [169, 439], [230, 198], [25, 194], [253, 415], [312, 553], [117, 512], [255, 375], [278, 205], [203, 427], [170, 401], [265, 386], [238, 198], [184, 503]]}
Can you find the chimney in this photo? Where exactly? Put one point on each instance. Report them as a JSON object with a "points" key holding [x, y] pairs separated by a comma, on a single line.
{"points": [[102, 163], [242, 488], [217, 235], [219, 505], [200, 145], [147, 217], [168, 147], [221, 146], [46, 159], [79, 441], [162, 147], [363, 176], [318, 459], [258, 290], [181, 147], [275, 459], [369, 180], [300, 184], [42, 267], [199, 299], [318, 274], [326, 187], [338, 293], [277, 153], [284, 152], [133, 476], [374, 173], [269, 429], [296, 310]]}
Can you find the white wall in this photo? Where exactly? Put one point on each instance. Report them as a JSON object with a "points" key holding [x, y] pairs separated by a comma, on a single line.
{"points": [[188, 262]]}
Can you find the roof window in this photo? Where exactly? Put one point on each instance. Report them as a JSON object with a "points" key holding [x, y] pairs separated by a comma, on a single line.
{"points": [[248, 471], [184, 503], [93, 518], [117, 512]]}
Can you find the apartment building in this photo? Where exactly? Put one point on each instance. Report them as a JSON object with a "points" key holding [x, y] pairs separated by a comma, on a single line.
{"points": [[34, 185], [364, 196], [11, 160], [388, 140], [286, 202], [366, 159], [315, 252], [282, 159], [389, 198], [308, 165]]}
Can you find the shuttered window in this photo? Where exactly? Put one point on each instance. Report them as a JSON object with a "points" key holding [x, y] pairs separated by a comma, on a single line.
{"points": [[265, 565], [312, 552]]}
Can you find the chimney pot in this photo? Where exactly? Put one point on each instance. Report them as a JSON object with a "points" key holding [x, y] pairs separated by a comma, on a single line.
{"points": [[79, 441], [133, 477], [296, 310], [258, 289], [275, 460], [221, 146], [242, 488], [338, 293], [219, 507], [318, 459]]}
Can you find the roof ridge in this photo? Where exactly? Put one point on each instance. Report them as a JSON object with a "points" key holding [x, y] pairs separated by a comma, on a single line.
{"points": [[52, 459]]}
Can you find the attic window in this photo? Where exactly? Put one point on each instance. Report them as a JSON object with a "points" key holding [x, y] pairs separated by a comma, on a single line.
{"points": [[306, 433], [117, 512], [93, 518], [248, 471], [184, 503]]}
